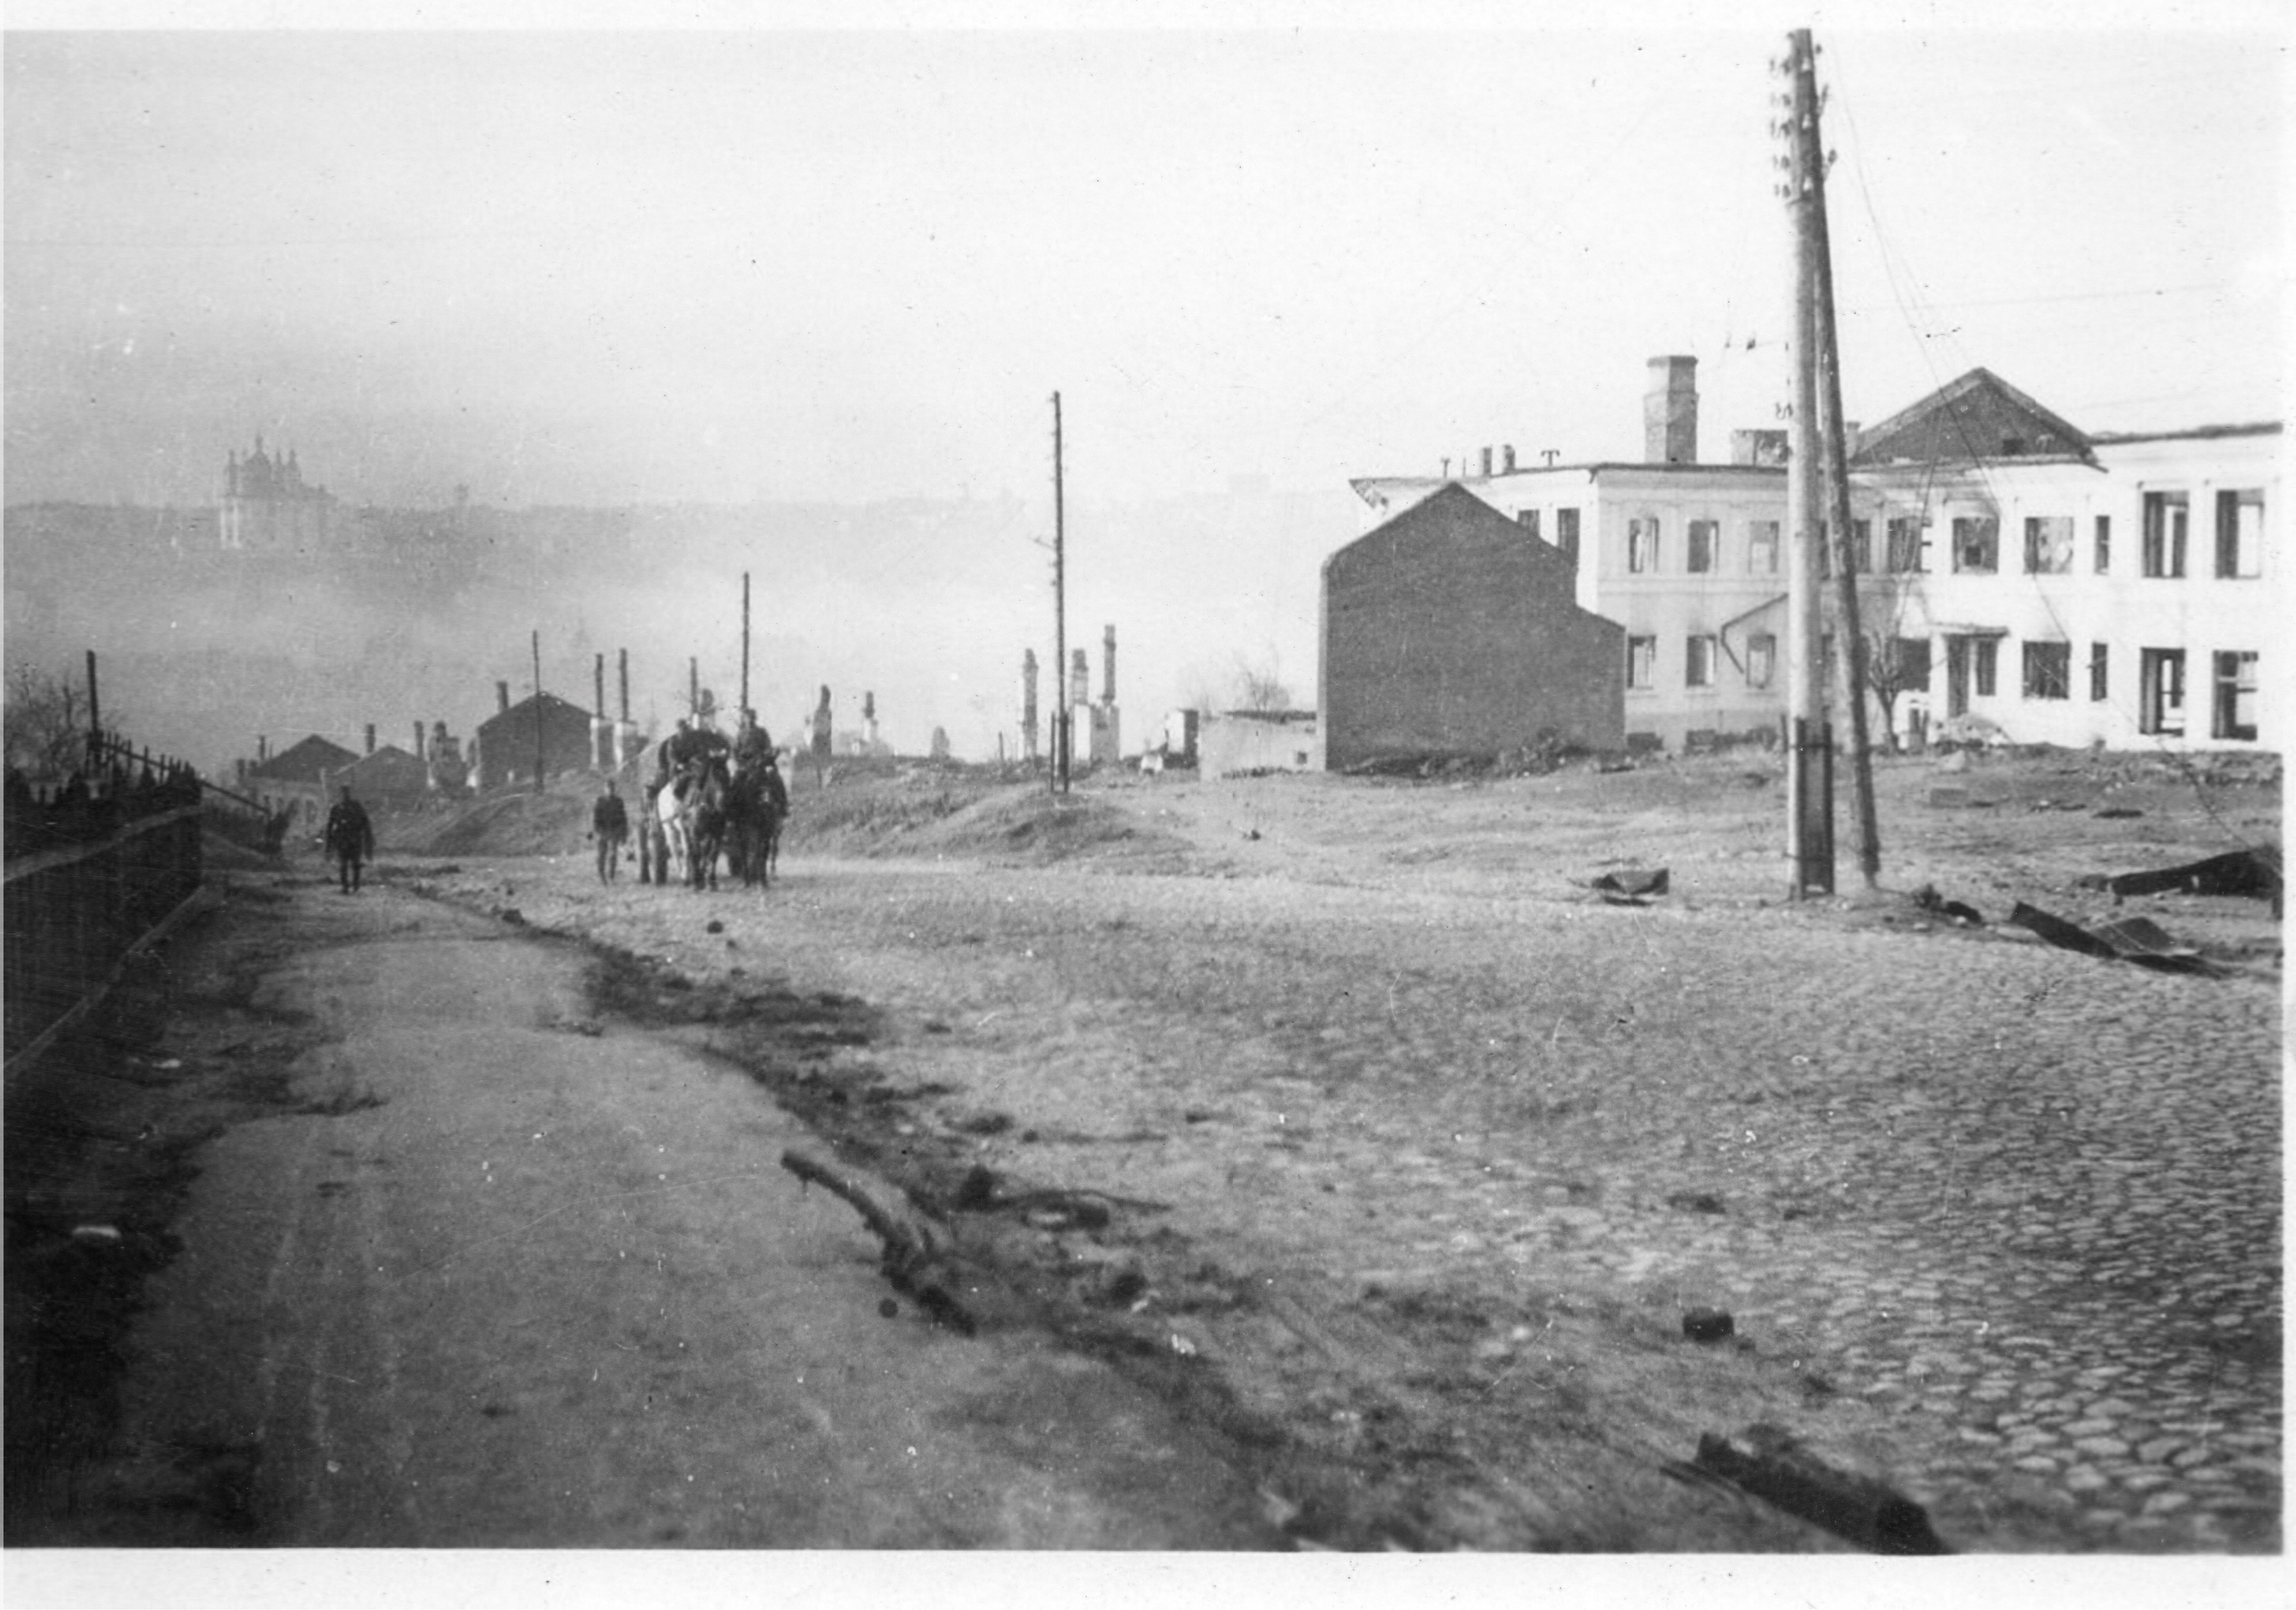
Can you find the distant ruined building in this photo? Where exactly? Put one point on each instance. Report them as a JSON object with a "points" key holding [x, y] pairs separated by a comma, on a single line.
{"points": [[268, 508]]}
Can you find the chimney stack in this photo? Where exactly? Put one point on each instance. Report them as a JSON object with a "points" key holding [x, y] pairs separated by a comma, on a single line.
{"points": [[502, 697], [1108, 666], [1029, 705], [1671, 412], [1079, 680], [370, 738], [420, 753], [1507, 457], [1487, 463]]}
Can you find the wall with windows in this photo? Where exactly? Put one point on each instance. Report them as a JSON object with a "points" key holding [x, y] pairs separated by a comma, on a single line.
{"points": [[2132, 597]]}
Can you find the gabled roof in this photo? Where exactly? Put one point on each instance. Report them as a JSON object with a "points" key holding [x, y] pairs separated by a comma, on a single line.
{"points": [[305, 762], [1452, 514], [1981, 416], [554, 709], [386, 768]]}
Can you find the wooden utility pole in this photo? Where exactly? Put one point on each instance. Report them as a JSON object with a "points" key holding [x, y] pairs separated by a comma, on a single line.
{"points": [[693, 686], [1060, 617], [1809, 805], [538, 709], [745, 648], [1826, 353]]}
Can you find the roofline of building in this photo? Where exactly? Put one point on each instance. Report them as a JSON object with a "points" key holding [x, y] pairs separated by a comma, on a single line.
{"points": [[2115, 439]]}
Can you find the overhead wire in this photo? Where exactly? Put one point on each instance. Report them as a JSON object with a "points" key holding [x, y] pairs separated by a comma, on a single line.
{"points": [[2132, 711]]}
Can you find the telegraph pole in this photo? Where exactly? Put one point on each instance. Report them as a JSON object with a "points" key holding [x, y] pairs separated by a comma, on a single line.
{"points": [[1809, 804], [745, 648], [1060, 617], [1826, 355]]}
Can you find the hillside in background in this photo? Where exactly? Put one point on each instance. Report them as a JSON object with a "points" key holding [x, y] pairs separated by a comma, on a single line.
{"points": [[418, 615]]}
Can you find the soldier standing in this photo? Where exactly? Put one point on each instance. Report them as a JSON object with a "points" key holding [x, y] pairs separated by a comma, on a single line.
{"points": [[609, 825], [349, 838]]}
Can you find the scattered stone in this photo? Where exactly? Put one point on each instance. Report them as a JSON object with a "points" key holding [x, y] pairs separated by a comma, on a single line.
{"points": [[96, 1235], [888, 1308], [1696, 1202], [714, 927], [2102, 1447], [2040, 1464], [1707, 1324]]}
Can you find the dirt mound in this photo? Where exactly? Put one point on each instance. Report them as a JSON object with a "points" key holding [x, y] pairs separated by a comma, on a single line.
{"points": [[503, 825], [955, 816]]}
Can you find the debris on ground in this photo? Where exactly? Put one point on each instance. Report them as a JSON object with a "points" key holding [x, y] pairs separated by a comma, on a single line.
{"points": [[1928, 900], [1708, 1324], [2133, 939], [1777, 1469], [1632, 886], [915, 1254], [2255, 872]]}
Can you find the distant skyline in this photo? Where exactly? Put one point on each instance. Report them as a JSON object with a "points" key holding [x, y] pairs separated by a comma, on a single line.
{"points": [[653, 266]]}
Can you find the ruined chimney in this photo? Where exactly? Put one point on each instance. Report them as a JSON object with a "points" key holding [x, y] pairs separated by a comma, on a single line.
{"points": [[1487, 463], [1506, 458], [262, 749], [1079, 680], [502, 697], [1108, 666], [1028, 704], [1671, 412], [370, 738], [420, 752]]}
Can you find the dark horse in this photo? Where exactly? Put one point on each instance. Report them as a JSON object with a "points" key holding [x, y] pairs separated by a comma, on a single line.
{"points": [[709, 813], [754, 838]]}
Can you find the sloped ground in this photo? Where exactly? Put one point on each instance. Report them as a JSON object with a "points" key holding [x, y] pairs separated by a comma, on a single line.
{"points": [[1413, 1151]]}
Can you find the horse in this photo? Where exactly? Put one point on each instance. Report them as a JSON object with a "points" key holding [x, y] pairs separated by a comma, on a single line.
{"points": [[694, 814], [653, 845], [753, 841]]}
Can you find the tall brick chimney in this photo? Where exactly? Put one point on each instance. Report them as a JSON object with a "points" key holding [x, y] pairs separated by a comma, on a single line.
{"points": [[1671, 412], [370, 738], [502, 697]]}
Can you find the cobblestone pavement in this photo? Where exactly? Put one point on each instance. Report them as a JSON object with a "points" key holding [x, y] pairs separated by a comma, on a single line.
{"points": [[2018, 1209]]}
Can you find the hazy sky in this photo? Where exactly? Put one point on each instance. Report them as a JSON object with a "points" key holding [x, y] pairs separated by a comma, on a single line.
{"points": [[780, 262]]}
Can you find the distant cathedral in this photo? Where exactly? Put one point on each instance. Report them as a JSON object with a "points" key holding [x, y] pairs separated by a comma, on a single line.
{"points": [[269, 507]]}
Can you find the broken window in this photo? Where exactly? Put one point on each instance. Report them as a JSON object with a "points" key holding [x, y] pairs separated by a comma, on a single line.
{"points": [[1566, 534], [1988, 662], [2240, 534], [2236, 704], [1903, 534], [1528, 520], [2100, 661], [2048, 670], [1976, 543], [1911, 664], [2167, 515], [2049, 545], [1761, 660], [1705, 544], [2104, 544], [1762, 547], [1642, 662], [1642, 544], [1698, 663], [2161, 691]]}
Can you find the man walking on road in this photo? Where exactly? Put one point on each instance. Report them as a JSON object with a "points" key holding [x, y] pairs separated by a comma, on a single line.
{"points": [[349, 838], [609, 825]]}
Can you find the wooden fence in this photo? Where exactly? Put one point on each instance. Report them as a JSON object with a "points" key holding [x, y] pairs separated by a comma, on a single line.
{"points": [[78, 914]]}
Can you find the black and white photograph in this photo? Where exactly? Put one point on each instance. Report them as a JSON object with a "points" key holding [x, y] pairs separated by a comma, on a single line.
{"points": [[1016, 803]]}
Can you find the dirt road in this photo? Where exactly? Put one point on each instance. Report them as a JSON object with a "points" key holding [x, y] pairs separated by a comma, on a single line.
{"points": [[485, 1273]]}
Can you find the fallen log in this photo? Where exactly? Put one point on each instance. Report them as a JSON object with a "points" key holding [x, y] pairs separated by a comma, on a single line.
{"points": [[915, 1256], [1777, 1469]]}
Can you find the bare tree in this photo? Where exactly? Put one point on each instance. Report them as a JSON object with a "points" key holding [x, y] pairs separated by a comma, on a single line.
{"points": [[1259, 686], [46, 720]]}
